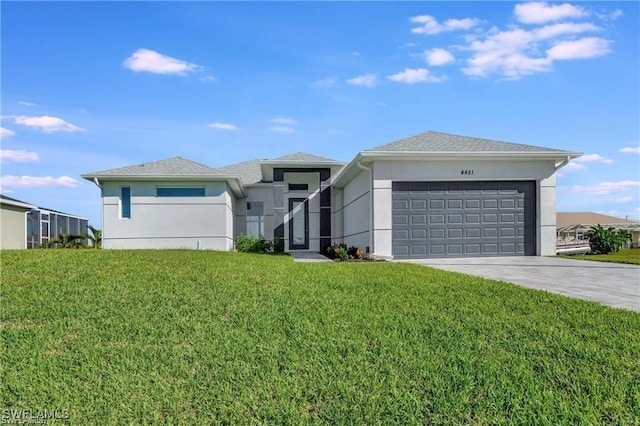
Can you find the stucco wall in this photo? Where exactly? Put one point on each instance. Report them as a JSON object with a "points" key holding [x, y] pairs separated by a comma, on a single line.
{"points": [[337, 219], [258, 193], [168, 222], [12, 228], [355, 211], [385, 172]]}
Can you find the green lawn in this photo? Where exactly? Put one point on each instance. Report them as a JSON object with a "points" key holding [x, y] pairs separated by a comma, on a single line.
{"points": [[623, 256], [142, 337]]}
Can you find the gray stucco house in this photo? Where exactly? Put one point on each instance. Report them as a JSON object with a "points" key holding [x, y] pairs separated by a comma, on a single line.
{"points": [[430, 195]]}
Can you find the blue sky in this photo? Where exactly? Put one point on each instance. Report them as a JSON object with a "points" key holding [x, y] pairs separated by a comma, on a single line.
{"points": [[93, 86]]}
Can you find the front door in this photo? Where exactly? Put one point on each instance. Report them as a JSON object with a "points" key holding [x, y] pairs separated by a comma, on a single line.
{"points": [[298, 224]]}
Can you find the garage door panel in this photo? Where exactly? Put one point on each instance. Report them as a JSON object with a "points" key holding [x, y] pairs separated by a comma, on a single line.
{"points": [[454, 219]]}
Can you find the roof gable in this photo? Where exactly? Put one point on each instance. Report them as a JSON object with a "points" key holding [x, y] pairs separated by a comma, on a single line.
{"points": [[443, 142], [589, 218], [176, 166], [249, 171], [304, 157]]}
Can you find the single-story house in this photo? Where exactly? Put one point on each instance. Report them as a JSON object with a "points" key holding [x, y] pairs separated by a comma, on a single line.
{"points": [[26, 225], [13, 228], [430, 195], [571, 226]]}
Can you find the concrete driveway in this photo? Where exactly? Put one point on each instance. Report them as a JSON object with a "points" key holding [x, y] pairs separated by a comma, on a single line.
{"points": [[611, 284]]}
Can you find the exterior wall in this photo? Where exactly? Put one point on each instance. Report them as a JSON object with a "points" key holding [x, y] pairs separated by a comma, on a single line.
{"points": [[355, 210], [12, 227], [385, 172], [313, 196], [168, 222], [546, 216], [263, 194], [337, 219]]}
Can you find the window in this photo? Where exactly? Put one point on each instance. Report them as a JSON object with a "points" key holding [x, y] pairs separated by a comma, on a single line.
{"points": [[62, 225], [298, 187], [125, 202], [73, 226], [255, 219], [180, 192]]}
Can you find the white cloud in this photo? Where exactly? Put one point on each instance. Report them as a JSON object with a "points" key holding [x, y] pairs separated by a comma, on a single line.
{"points": [[566, 28], [606, 188], [630, 149], [415, 75], [29, 104], [435, 57], [145, 60], [355, 53], [223, 126], [515, 53], [6, 133], [324, 82], [578, 163], [68, 181], [208, 79], [366, 80], [429, 25], [284, 120], [588, 47], [591, 158], [573, 166], [282, 129], [8, 155], [612, 16], [47, 124], [381, 104], [541, 12]]}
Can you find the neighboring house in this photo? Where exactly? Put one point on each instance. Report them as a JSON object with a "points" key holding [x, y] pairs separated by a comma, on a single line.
{"points": [[13, 228], [44, 225], [26, 225], [430, 195], [573, 225]]}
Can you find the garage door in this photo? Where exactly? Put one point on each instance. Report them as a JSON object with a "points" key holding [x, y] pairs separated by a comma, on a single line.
{"points": [[463, 219]]}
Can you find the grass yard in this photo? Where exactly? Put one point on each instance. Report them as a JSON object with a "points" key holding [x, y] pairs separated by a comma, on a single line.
{"points": [[186, 337], [631, 256]]}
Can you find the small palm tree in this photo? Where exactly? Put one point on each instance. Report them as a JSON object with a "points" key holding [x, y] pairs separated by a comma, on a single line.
{"points": [[66, 241], [95, 237]]}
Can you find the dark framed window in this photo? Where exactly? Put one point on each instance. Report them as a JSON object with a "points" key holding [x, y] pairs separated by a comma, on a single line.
{"points": [[180, 192], [298, 187], [125, 202]]}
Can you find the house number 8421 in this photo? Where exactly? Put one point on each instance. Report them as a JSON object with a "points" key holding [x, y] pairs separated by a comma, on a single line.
{"points": [[466, 172]]}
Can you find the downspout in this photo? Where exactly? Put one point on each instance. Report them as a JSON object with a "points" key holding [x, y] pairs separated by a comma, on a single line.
{"points": [[99, 185], [363, 167]]}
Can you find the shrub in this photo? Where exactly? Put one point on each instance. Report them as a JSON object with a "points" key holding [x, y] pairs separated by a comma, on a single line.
{"points": [[278, 245], [245, 244], [605, 241], [341, 253]]}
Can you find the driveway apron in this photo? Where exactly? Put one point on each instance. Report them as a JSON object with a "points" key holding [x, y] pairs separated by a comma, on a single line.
{"points": [[612, 284]]}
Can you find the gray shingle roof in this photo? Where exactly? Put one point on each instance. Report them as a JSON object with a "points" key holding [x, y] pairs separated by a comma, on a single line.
{"points": [[176, 166], [304, 157], [249, 171], [443, 142]]}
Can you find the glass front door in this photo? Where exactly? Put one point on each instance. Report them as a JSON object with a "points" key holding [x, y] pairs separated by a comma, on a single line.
{"points": [[298, 224]]}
